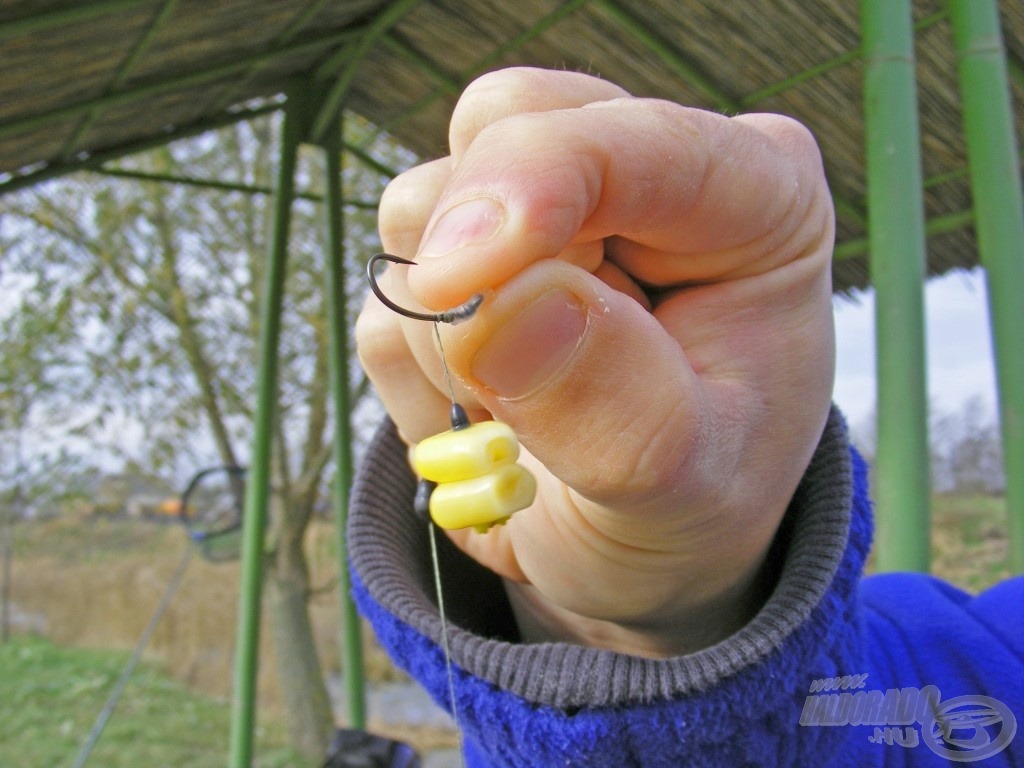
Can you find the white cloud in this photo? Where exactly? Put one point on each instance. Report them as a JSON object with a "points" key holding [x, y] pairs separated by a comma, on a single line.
{"points": [[959, 347]]}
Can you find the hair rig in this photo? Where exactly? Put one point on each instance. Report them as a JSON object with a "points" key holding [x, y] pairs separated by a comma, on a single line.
{"points": [[470, 477]]}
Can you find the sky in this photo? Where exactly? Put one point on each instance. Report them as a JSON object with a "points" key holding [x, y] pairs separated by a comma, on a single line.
{"points": [[958, 347], [959, 351]]}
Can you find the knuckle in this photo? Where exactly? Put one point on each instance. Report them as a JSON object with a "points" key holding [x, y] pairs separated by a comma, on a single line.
{"points": [[489, 98], [795, 137], [378, 335], [407, 202], [788, 134]]}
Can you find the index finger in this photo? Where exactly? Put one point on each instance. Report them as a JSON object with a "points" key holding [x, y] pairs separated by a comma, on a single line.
{"points": [[518, 90], [707, 196]]}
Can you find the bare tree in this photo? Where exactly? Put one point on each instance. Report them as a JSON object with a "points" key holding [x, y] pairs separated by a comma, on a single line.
{"points": [[968, 451], [159, 287], [965, 448]]}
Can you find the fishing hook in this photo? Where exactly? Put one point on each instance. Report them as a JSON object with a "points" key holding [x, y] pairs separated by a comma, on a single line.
{"points": [[453, 315]]}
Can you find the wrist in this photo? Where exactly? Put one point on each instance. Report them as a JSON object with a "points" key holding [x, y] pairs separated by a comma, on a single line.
{"points": [[688, 628]]}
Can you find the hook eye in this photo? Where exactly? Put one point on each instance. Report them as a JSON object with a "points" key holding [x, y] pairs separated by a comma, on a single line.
{"points": [[453, 315]]}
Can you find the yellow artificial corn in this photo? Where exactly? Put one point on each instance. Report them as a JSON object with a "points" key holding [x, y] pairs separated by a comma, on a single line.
{"points": [[466, 453], [481, 502]]}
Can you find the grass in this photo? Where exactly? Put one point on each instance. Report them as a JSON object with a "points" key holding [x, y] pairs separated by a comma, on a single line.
{"points": [[50, 696], [92, 579], [970, 541], [87, 539], [970, 544]]}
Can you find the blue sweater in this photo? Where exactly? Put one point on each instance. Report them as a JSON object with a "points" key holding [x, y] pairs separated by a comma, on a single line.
{"points": [[834, 670]]}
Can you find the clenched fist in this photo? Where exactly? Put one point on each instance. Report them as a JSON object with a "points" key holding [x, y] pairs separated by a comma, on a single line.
{"points": [[657, 329]]}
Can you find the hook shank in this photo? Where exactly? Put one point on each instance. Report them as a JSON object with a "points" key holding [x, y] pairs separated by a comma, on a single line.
{"points": [[454, 315]]}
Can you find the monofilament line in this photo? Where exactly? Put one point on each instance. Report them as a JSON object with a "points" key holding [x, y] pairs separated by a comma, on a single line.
{"points": [[437, 574], [444, 639], [444, 363]]}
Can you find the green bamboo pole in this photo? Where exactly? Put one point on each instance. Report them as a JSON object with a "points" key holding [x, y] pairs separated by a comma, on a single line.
{"points": [[227, 95], [369, 160], [195, 181], [257, 494], [494, 56], [897, 246], [670, 56], [156, 25], [96, 159], [224, 186], [335, 95], [422, 63], [999, 224], [337, 308], [76, 14], [1016, 70], [938, 225], [836, 62], [186, 80]]}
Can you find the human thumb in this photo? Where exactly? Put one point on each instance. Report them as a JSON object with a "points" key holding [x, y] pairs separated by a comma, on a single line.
{"points": [[591, 382]]}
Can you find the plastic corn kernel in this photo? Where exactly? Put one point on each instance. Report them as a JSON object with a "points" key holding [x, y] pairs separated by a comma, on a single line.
{"points": [[482, 502], [466, 453]]}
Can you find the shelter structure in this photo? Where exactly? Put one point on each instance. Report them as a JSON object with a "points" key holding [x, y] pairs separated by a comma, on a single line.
{"points": [[912, 101]]}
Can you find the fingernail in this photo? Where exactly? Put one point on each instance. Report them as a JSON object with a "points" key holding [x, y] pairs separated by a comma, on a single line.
{"points": [[468, 223], [527, 352]]}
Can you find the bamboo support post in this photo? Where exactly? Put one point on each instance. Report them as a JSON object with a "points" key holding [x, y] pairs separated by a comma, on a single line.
{"points": [[257, 495], [999, 223], [338, 329], [897, 259]]}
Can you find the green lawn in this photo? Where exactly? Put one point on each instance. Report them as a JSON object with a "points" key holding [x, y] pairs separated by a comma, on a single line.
{"points": [[50, 697], [970, 540]]}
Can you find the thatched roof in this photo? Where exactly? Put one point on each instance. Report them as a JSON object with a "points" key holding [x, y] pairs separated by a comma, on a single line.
{"points": [[83, 82]]}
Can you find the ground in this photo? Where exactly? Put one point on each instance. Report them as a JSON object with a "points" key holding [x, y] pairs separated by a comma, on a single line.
{"points": [[83, 590]]}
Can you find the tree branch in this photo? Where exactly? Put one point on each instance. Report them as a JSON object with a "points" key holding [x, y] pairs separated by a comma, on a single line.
{"points": [[190, 340]]}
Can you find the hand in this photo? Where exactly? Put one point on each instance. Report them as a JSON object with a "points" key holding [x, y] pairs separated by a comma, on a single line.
{"points": [[657, 330]]}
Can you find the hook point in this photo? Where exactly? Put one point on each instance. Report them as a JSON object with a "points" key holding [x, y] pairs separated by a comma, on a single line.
{"points": [[454, 315]]}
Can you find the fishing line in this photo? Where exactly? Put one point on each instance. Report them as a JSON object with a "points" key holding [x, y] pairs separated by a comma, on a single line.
{"points": [[435, 563], [444, 364], [469, 475], [432, 532]]}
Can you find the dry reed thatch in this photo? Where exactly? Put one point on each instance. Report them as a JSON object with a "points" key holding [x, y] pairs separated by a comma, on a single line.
{"points": [[86, 81]]}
